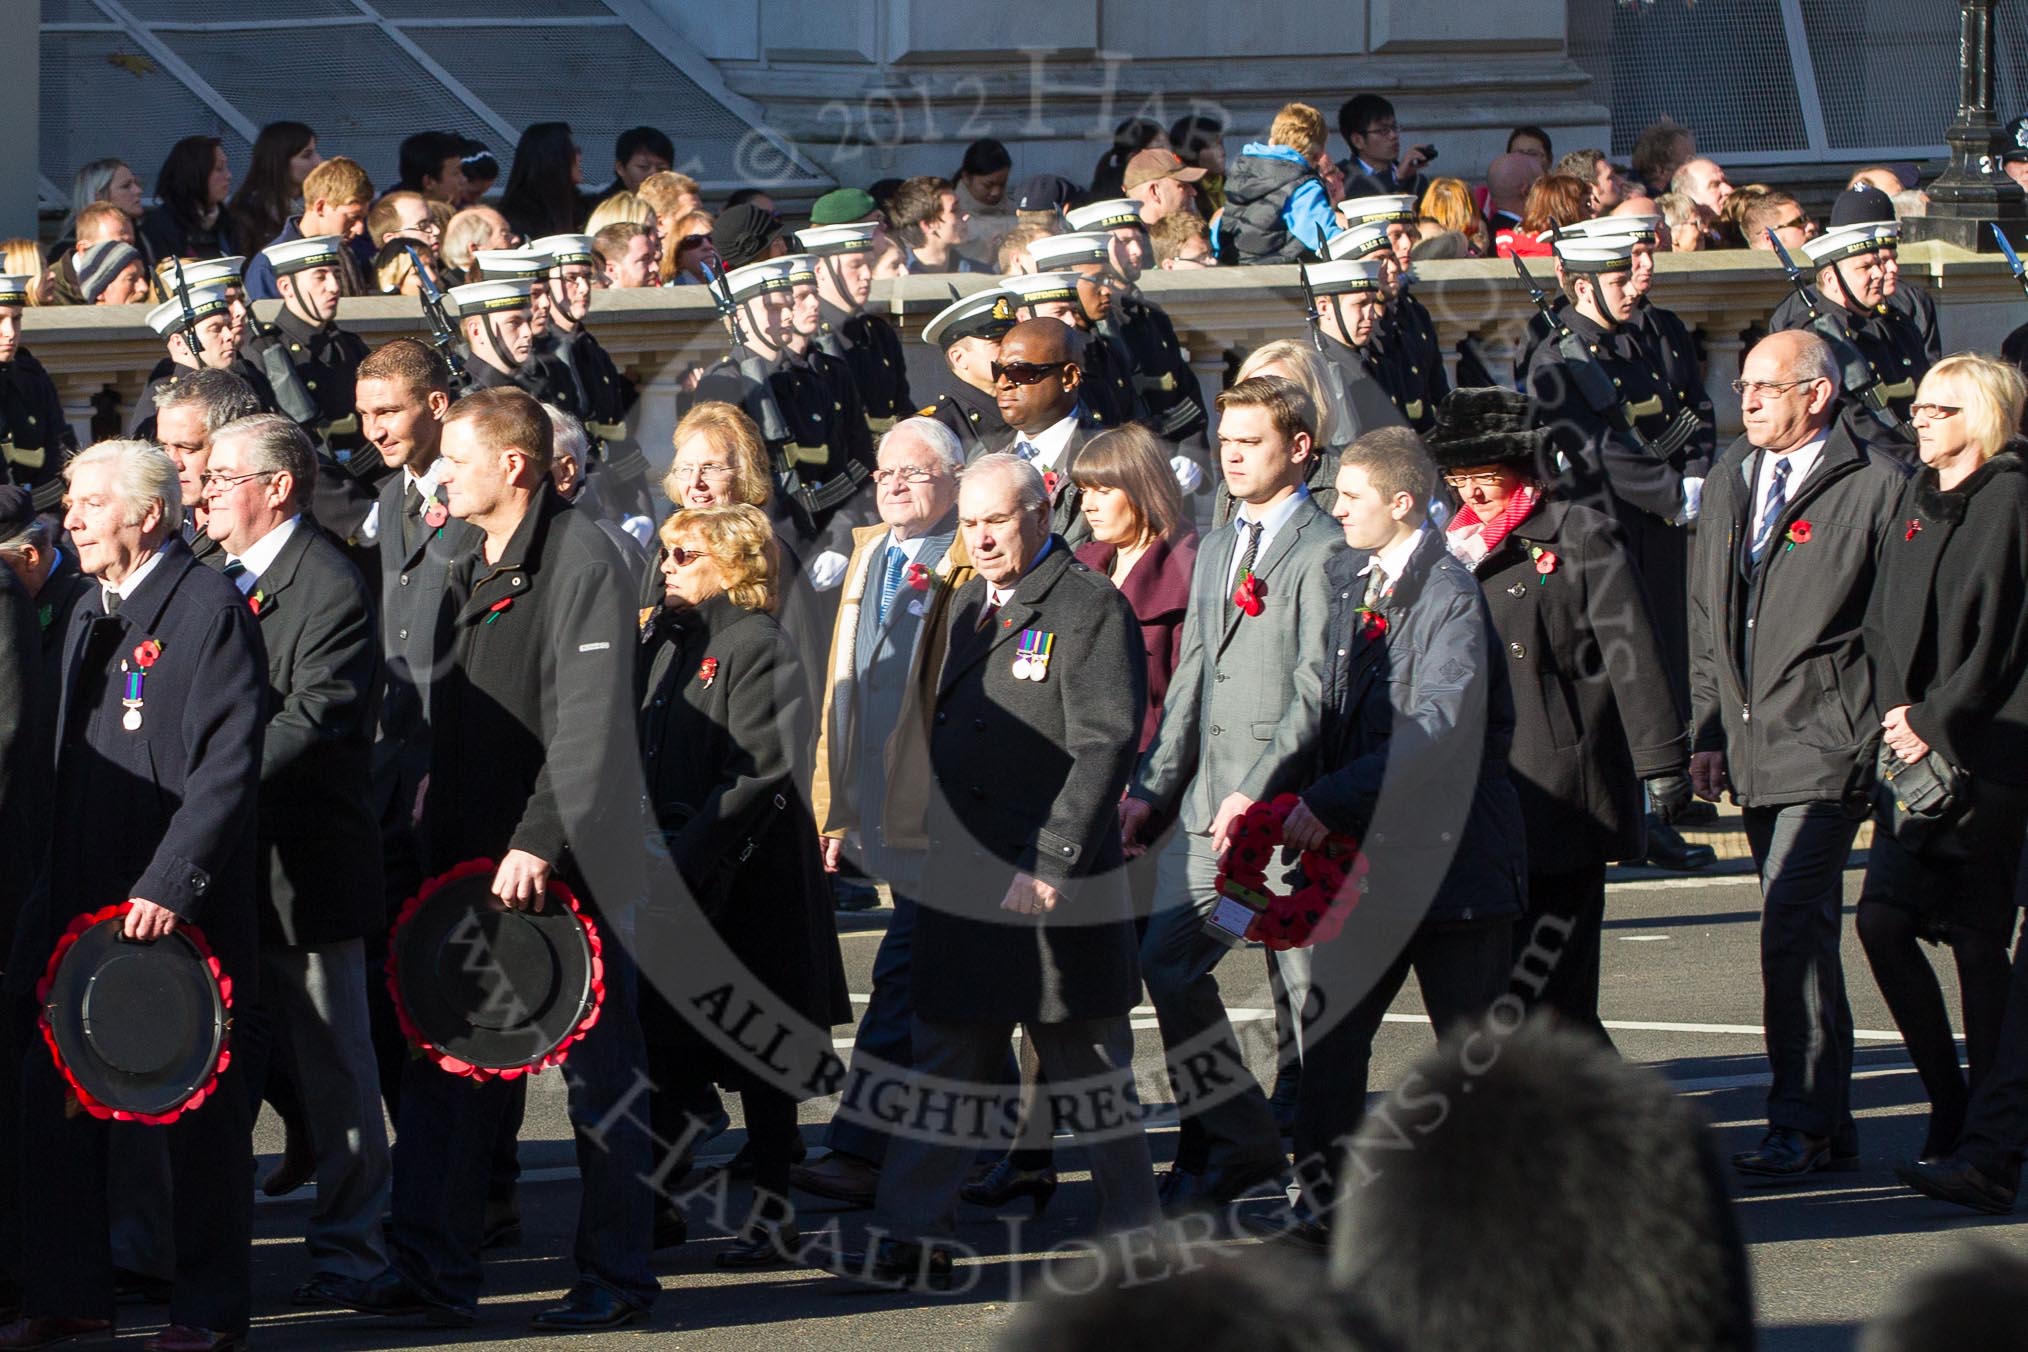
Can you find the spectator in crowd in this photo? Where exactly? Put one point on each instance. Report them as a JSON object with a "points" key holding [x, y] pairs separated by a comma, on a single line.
{"points": [[1010, 253], [931, 225], [1549, 1151], [627, 256], [190, 218], [1508, 180], [623, 207], [336, 195], [433, 164], [1276, 206], [1199, 141], [639, 153], [479, 172], [109, 181], [542, 196], [890, 259], [1376, 166], [1878, 176], [1608, 189], [1783, 214], [981, 189], [1130, 138], [1041, 199], [758, 198], [687, 253], [1689, 223], [1976, 1298], [471, 230], [403, 215], [394, 272], [283, 155], [1533, 142], [1555, 201], [1947, 637], [1660, 150], [111, 273], [1182, 241], [1703, 182], [671, 196], [1161, 183], [1447, 206]]}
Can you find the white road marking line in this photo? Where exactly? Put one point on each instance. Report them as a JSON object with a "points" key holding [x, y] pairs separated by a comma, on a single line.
{"points": [[1643, 938]]}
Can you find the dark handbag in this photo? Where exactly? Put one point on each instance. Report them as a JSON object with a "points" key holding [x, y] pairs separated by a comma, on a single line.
{"points": [[1915, 801]]}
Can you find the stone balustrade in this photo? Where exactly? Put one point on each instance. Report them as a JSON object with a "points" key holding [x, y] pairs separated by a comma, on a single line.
{"points": [[102, 355]]}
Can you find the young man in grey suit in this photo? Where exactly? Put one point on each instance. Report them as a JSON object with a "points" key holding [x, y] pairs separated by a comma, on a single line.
{"points": [[1224, 740]]}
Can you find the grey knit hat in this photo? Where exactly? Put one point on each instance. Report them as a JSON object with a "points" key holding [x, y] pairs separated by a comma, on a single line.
{"points": [[98, 265]]}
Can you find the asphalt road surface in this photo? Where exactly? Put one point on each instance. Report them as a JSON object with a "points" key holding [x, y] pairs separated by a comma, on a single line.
{"points": [[1681, 993]]}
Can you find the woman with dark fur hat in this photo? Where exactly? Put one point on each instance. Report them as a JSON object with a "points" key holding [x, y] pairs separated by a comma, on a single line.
{"points": [[1593, 714]]}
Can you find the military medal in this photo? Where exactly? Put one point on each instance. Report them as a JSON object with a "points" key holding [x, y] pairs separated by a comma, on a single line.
{"points": [[1031, 661], [135, 674]]}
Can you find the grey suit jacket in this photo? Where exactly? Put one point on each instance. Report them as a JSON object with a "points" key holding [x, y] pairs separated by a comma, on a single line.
{"points": [[1224, 722]]}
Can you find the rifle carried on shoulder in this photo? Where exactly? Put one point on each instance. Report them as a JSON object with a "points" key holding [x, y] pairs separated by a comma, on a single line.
{"points": [[1856, 374], [2014, 262], [443, 333]]}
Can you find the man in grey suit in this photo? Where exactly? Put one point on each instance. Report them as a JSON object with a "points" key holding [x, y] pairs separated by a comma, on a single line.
{"points": [[1026, 915], [871, 782], [1224, 739]]}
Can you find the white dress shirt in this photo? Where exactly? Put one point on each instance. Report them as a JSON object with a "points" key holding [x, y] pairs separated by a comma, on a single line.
{"points": [[1277, 516], [260, 555], [1051, 442], [129, 583], [1801, 460], [1393, 559]]}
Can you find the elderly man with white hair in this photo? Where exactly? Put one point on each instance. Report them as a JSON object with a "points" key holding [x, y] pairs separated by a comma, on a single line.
{"points": [[583, 481], [157, 774], [871, 787]]}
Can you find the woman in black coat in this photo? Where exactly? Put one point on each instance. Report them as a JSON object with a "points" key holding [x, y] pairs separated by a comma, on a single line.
{"points": [[1593, 714], [1947, 634], [727, 732], [191, 220]]}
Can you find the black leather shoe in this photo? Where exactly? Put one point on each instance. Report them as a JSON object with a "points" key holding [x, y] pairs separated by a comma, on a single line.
{"points": [[839, 1177], [1667, 849], [763, 1244], [1785, 1153], [298, 1164], [1214, 1188], [1006, 1181], [671, 1228], [897, 1265], [384, 1294], [742, 1164], [23, 1335], [853, 894], [1954, 1180], [587, 1309]]}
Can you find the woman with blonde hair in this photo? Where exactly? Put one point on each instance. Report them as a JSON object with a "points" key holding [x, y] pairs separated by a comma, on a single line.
{"points": [[1947, 637], [1311, 370], [1448, 202], [670, 195], [23, 258], [621, 206], [727, 735]]}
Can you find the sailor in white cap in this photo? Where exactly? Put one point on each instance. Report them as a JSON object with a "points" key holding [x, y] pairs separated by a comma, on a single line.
{"points": [[865, 342], [1043, 295], [197, 324], [604, 396], [968, 332], [496, 320], [35, 438], [543, 374], [1159, 367], [309, 277], [1347, 298], [1402, 354], [1109, 394]]}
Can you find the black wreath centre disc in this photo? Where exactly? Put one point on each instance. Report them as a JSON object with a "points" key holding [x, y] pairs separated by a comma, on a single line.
{"points": [[139, 1027]]}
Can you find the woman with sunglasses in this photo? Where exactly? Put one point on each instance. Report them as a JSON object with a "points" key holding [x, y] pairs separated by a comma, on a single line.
{"points": [[727, 733], [688, 252], [1947, 636], [1593, 716]]}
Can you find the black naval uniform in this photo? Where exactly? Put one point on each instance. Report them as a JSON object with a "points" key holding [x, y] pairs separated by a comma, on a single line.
{"points": [[974, 414], [1108, 388], [1892, 343], [871, 350], [1606, 469], [1160, 372], [1363, 378], [1407, 336], [326, 360], [35, 438]]}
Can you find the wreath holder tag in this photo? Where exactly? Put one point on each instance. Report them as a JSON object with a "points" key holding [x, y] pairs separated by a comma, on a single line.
{"points": [[1238, 907]]}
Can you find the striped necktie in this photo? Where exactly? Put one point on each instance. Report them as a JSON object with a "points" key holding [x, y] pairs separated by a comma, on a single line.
{"points": [[890, 581], [1777, 498]]}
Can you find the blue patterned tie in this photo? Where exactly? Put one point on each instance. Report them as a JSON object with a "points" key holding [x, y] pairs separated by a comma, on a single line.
{"points": [[890, 581], [1026, 449], [1777, 498]]}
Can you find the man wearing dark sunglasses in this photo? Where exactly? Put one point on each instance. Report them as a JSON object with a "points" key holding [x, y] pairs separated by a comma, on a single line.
{"points": [[1038, 382]]}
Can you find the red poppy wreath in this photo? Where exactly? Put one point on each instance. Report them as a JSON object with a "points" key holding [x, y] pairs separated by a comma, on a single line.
{"points": [[1333, 878]]}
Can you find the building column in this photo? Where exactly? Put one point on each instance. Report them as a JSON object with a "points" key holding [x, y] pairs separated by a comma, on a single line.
{"points": [[20, 114]]}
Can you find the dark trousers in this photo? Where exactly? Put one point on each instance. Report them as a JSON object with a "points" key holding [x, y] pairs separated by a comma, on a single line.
{"points": [[1801, 851], [68, 1270], [1556, 946], [1996, 1129], [1461, 970], [883, 1032], [448, 1141]]}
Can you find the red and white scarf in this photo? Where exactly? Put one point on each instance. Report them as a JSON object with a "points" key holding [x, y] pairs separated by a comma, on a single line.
{"points": [[1471, 540]]}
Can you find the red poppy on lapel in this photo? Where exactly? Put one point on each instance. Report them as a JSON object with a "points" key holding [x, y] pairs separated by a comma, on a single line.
{"points": [[493, 611], [1247, 595], [256, 600], [1799, 534], [1049, 483], [917, 577], [147, 652], [1914, 529], [1372, 624], [707, 671]]}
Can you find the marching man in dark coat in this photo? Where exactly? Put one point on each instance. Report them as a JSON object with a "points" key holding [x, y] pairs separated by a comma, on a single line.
{"points": [[1593, 713], [173, 759], [1782, 711], [1025, 916], [532, 764]]}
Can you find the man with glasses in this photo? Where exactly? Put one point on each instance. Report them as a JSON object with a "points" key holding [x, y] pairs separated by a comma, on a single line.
{"points": [[1781, 213], [187, 414], [1782, 708], [1038, 382], [1376, 164], [1158, 368], [870, 794]]}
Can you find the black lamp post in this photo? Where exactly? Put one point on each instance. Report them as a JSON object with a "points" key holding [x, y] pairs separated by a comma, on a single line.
{"points": [[1974, 190]]}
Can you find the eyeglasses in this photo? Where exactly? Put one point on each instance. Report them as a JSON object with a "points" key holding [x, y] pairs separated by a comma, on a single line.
{"points": [[1025, 372], [911, 475], [693, 241], [682, 557], [1799, 223], [1934, 410], [1764, 388], [1382, 129], [219, 483], [708, 470], [1487, 478]]}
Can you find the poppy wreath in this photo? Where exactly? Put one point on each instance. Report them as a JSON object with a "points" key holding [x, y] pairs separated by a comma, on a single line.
{"points": [[558, 893], [1312, 914], [74, 932]]}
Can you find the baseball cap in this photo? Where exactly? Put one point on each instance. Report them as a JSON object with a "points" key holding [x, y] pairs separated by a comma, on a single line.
{"points": [[1148, 165]]}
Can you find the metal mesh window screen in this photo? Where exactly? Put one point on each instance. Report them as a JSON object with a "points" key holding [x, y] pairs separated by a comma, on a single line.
{"points": [[1863, 47], [71, 11], [269, 75], [503, 9], [102, 96], [2010, 57], [1721, 68], [601, 80], [211, 11]]}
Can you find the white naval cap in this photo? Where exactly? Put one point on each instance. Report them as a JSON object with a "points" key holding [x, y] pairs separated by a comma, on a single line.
{"points": [[983, 314], [14, 288], [1359, 241], [1052, 252], [1030, 289], [505, 264], [838, 239], [1599, 253], [168, 317], [802, 268], [1340, 276], [1844, 241], [1639, 227], [210, 272], [564, 249], [300, 255], [770, 274], [1385, 208], [492, 295], [1110, 214]]}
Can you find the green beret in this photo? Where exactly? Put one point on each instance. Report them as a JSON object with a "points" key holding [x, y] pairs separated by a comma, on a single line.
{"points": [[842, 206]]}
